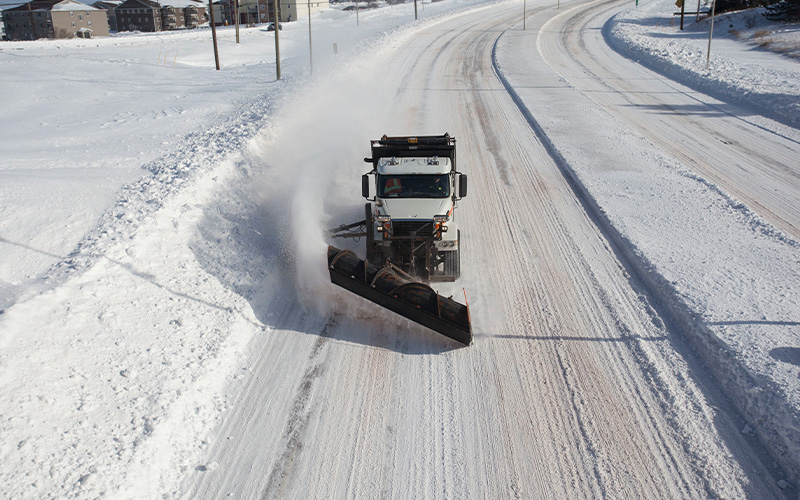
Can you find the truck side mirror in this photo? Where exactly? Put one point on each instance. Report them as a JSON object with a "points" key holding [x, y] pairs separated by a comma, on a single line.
{"points": [[365, 186], [462, 185]]}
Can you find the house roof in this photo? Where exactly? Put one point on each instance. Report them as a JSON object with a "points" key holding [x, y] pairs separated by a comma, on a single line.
{"points": [[53, 5], [132, 4], [181, 3], [72, 5], [105, 4], [9, 6]]}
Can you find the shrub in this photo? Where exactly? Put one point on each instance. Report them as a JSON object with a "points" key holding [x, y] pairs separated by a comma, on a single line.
{"points": [[785, 10], [732, 5]]}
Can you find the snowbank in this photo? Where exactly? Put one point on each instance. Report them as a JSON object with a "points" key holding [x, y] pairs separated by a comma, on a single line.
{"points": [[736, 70]]}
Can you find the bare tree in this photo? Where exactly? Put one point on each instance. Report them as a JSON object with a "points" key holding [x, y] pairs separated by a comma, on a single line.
{"points": [[62, 33]]}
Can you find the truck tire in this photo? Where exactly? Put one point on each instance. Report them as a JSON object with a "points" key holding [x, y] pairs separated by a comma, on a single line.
{"points": [[452, 261]]}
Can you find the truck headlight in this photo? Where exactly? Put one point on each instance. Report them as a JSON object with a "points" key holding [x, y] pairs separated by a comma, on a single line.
{"points": [[441, 218], [383, 218]]}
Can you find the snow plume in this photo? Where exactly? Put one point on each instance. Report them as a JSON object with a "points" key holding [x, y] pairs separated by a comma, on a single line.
{"points": [[312, 161]]}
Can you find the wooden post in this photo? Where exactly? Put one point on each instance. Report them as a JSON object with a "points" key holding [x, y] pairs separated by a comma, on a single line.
{"points": [[213, 32], [236, 14], [33, 24], [277, 44], [310, 52], [710, 33]]}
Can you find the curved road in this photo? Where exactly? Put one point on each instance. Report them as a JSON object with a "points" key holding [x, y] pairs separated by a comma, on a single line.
{"points": [[752, 158], [573, 388]]}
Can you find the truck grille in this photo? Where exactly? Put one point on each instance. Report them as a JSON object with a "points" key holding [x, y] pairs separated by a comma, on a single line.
{"points": [[422, 229]]}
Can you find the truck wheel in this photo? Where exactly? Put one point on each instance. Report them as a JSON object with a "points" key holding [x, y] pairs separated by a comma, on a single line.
{"points": [[452, 261], [372, 249]]}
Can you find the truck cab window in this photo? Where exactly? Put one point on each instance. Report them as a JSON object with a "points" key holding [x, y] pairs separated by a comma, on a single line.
{"points": [[414, 186]]}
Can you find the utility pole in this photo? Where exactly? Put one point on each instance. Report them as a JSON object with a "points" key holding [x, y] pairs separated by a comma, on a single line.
{"points": [[310, 52], [213, 32], [356, 12], [236, 13], [277, 43], [524, 13], [33, 26], [415, 10], [710, 33]]}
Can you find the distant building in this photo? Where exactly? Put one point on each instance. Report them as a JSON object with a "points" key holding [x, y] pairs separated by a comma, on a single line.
{"points": [[249, 12], [223, 12], [260, 11], [148, 15], [138, 15], [178, 14], [54, 19], [289, 10], [110, 7]]}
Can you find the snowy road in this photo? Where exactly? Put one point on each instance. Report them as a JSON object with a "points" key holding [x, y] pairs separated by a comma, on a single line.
{"points": [[761, 173], [574, 387], [185, 341]]}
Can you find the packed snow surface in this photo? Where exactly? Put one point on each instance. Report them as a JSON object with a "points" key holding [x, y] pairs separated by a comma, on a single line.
{"points": [[167, 328]]}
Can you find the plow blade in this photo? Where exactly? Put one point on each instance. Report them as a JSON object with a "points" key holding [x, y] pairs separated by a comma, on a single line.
{"points": [[410, 299]]}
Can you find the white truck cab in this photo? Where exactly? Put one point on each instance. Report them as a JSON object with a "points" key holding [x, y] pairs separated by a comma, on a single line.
{"points": [[410, 222]]}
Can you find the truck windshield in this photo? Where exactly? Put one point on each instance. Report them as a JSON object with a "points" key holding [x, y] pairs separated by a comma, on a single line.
{"points": [[414, 186]]}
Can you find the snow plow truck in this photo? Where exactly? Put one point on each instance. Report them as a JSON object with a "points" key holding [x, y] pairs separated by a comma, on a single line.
{"points": [[411, 236]]}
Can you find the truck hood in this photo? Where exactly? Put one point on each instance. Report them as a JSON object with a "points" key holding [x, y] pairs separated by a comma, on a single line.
{"points": [[415, 208]]}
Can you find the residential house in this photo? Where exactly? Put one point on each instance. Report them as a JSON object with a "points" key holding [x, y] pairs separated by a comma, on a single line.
{"points": [[290, 10], [109, 6], [179, 14], [261, 11], [54, 19], [196, 14], [251, 12], [149, 15], [139, 15], [223, 12]]}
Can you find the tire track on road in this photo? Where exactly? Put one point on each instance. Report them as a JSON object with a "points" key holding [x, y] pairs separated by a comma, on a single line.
{"points": [[657, 293], [282, 473]]}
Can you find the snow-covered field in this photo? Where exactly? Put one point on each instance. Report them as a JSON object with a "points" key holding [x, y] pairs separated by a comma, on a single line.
{"points": [[158, 218]]}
